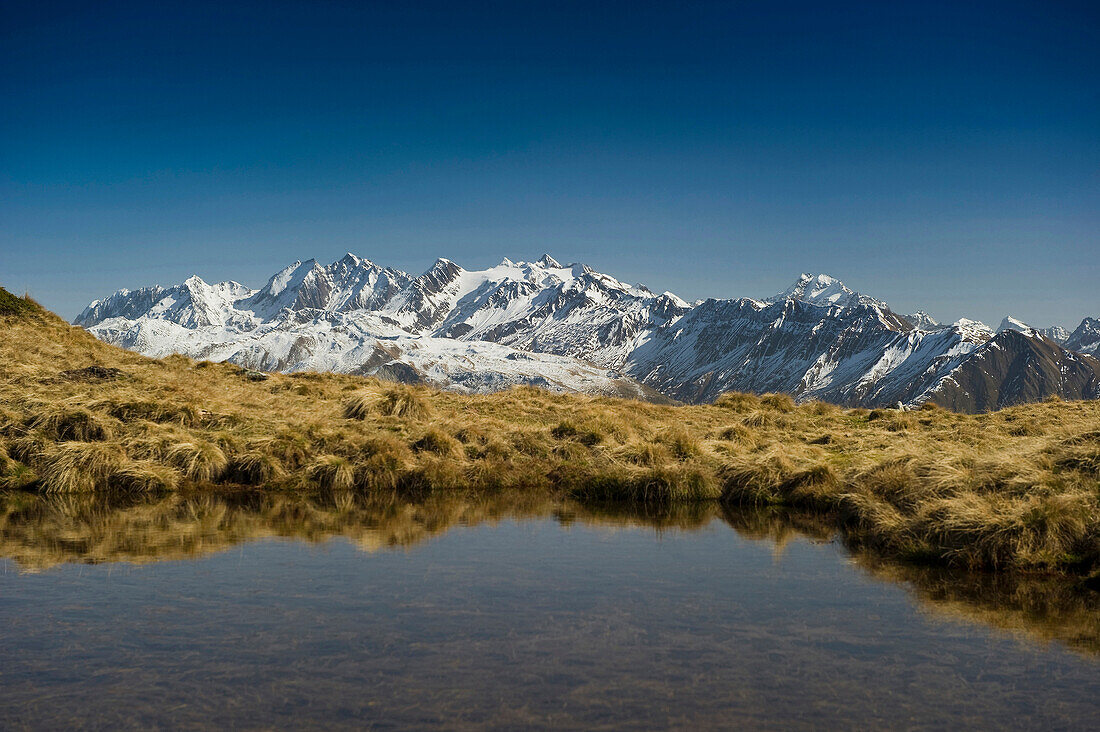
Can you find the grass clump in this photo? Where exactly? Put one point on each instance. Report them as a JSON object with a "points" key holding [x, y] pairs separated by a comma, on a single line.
{"points": [[332, 472], [682, 444], [567, 430], [145, 477], [65, 423], [128, 411], [439, 442], [73, 467], [255, 467], [199, 460], [738, 401], [399, 400], [738, 433], [777, 402]]}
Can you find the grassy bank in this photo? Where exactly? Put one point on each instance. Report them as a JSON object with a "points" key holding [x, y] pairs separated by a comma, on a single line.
{"points": [[1017, 488]]}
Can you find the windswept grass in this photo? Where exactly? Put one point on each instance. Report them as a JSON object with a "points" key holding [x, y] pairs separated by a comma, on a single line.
{"points": [[333, 472], [1018, 488], [396, 401], [199, 460], [63, 423], [72, 467]]}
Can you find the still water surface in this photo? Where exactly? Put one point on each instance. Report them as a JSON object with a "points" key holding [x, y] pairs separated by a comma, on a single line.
{"points": [[290, 613]]}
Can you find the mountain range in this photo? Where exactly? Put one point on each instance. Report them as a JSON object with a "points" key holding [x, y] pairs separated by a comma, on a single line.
{"points": [[569, 328]]}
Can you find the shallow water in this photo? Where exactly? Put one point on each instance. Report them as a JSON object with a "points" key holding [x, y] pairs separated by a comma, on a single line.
{"points": [[284, 612]]}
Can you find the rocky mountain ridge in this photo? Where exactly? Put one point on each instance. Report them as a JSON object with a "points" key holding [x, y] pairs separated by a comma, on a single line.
{"points": [[569, 328]]}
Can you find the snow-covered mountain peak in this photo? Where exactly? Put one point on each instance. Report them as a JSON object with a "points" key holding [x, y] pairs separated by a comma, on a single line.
{"points": [[1056, 333], [1010, 323], [547, 261], [923, 321], [818, 289], [1086, 337], [972, 330]]}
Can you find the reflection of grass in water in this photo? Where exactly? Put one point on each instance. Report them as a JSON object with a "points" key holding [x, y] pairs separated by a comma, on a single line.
{"points": [[1037, 606], [42, 531], [1040, 606]]}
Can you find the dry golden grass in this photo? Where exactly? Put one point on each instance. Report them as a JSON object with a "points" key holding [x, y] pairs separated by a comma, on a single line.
{"points": [[1015, 488]]}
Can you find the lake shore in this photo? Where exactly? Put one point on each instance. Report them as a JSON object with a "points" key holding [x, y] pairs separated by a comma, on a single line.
{"points": [[1014, 489]]}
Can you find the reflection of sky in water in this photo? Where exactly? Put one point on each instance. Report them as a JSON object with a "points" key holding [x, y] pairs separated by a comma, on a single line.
{"points": [[515, 624]]}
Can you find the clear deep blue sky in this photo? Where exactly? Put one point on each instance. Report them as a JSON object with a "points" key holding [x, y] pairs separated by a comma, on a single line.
{"points": [[936, 155]]}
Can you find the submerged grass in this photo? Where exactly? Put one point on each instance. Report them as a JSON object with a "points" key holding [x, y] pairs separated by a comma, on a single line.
{"points": [[1016, 488]]}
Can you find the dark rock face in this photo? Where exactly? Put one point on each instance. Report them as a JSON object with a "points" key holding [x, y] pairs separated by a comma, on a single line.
{"points": [[1014, 368], [787, 345], [122, 304], [1086, 337], [397, 371]]}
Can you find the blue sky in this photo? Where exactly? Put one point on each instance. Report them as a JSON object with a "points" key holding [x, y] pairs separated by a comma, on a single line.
{"points": [[936, 155]]}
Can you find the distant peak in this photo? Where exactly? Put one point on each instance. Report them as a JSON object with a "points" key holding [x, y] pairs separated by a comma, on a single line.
{"points": [[547, 261], [443, 270], [975, 328], [675, 299], [506, 263], [1010, 323], [923, 321], [353, 261], [303, 265], [819, 289]]}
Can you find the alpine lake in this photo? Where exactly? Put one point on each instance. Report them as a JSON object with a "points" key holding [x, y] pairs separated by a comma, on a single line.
{"points": [[287, 611]]}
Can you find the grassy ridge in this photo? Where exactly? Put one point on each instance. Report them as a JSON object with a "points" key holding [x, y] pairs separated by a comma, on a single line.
{"points": [[1016, 488]]}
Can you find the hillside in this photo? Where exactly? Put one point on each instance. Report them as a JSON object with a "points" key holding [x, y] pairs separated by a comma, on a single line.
{"points": [[1012, 488]]}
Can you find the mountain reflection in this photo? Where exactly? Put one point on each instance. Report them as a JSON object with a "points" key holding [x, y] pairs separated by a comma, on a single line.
{"points": [[39, 532]]}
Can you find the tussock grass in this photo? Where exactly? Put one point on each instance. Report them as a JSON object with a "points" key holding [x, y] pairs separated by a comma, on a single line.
{"points": [[152, 411], [145, 477], [396, 401], [332, 472], [738, 401], [739, 434], [255, 467], [567, 430], [682, 444], [1015, 488], [777, 402], [199, 460], [360, 406], [72, 467], [62, 422], [439, 442]]}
